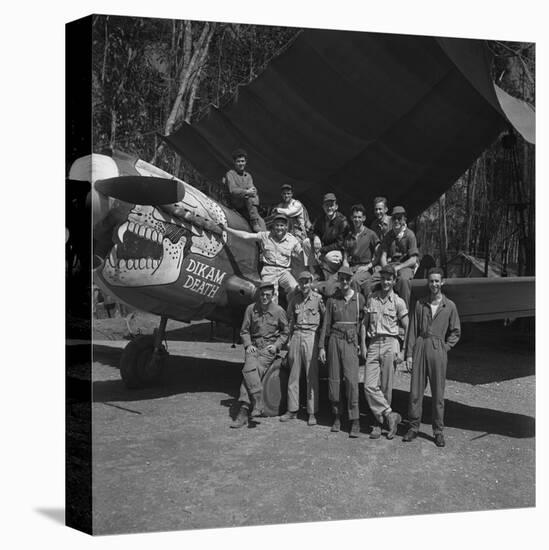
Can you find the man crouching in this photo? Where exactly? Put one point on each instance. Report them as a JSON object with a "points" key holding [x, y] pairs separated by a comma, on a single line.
{"points": [[264, 331]]}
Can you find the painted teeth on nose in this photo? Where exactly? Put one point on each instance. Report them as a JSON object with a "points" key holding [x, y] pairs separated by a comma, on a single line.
{"points": [[149, 263], [155, 264], [130, 264], [148, 233], [131, 227], [122, 264], [141, 231], [142, 263], [160, 238]]}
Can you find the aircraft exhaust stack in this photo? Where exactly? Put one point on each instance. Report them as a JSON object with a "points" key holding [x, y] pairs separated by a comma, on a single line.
{"points": [[240, 291], [142, 189]]}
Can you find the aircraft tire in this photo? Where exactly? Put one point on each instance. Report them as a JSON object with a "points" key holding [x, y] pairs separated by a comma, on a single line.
{"points": [[136, 366], [275, 390]]}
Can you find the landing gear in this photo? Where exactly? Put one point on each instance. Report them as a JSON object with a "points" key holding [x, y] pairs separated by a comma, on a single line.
{"points": [[143, 358]]}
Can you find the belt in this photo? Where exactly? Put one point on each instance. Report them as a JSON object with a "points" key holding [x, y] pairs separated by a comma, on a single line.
{"points": [[276, 265], [383, 338], [262, 342]]}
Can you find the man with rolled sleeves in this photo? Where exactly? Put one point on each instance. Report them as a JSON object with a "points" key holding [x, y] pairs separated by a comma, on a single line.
{"points": [[305, 312], [434, 330], [360, 249], [399, 248], [264, 331], [385, 311], [343, 326], [243, 193], [382, 222], [277, 249]]}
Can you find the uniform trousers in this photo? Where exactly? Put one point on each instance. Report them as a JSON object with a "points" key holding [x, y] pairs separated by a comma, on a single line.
{"points": [[343, 362], [279, 276], [403, 285], [429, 362], [256, 364], [378, 378], [303, 354]]}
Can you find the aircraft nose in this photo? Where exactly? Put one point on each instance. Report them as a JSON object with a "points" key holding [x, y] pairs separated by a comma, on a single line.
{"points": [[145, 190]]}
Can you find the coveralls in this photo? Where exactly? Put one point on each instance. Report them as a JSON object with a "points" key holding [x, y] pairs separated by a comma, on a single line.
{"points": [[304, 315], [400, 248], [260, 328], [238, 184], [429, 341], [342, 322], [384, 315]]}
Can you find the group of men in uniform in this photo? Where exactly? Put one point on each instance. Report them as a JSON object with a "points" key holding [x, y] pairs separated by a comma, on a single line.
{"points": [[367, 317]]}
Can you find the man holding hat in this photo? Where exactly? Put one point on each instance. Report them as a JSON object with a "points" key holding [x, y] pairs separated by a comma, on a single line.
{"points": [[384, 312], [399, 248], [244, 196], [264, 331], [344, 329], [332, 229], [277, 248], [305, 312]]}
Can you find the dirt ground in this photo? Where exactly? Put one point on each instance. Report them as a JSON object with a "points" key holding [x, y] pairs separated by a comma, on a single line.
{"points": [[165, 458]]}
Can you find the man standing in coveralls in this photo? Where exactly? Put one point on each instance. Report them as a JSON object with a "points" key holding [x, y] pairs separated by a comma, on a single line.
{"points": [[384, 311], [305, 312], [434, 330], [244, 196], [264, 331], [343, 324]]}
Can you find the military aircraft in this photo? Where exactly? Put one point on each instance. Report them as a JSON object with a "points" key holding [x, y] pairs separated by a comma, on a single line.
{"points": [[409, 114]]}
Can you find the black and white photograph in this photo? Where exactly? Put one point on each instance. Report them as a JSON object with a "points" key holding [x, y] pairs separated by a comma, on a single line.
{"points": [[300, 278]]}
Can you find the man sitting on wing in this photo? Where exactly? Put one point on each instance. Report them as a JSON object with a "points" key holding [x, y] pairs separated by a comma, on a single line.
{"points": [[277, 248], [399, 248]]}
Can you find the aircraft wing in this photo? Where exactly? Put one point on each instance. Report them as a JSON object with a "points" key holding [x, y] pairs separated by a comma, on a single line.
{"points": [[359, 114], [486, 299]]}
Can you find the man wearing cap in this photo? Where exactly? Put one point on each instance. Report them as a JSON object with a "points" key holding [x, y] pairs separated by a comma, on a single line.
{"points": [[434, 330], [360, 249], [244, 196], [305, 312], [277, 249], [264, 331], [332, 229], [399, 248], [294, 210], [345, 331], [384, 312]]}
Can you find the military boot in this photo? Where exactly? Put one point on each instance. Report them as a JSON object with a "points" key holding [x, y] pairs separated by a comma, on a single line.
{"points": [[336, 426], [257, 400], [355, 428], [241, 418]]}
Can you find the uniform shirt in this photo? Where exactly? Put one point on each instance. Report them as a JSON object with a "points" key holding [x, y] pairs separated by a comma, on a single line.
{"points": [[296, 219], [400, 249], [278, 253], [305, 312], [332, 232], [384, 314], [263, 328], [382, 227], [339, 310], [237, 185], [362, 247], [444, 326]]}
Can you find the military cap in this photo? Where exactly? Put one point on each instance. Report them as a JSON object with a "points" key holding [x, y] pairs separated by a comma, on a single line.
{"points": [[388, 269], [398, 210], [345, 270], [266, 284], [239, 153], [305, 275], [329, 197], [279, 216], [287, 186]]}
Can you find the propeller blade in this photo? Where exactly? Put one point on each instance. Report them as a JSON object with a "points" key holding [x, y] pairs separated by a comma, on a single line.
{"points": [[146, 190]]}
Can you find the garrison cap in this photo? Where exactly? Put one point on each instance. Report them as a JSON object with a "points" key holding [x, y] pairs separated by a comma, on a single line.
{"points": [[305, 275], [388, 269], [287, 186], [266, 284], [398, 210], [345, 271], [279, 216], [329, 197]]}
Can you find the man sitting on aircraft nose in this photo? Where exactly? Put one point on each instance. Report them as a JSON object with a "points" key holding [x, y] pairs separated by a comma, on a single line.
{"points": [[264, 331], [399, 248], [277, 248], [244, 196]]}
